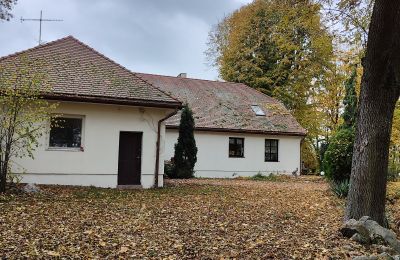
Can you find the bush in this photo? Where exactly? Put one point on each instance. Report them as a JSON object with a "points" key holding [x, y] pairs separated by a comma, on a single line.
{"points": [[341, 189], [338, 156], [393, 174], [260, 177], [169, 169]]}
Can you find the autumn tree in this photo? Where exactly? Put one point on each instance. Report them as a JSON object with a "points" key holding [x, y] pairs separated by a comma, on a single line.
{"points": [[380, 90], [394, 151], [185, 156], [338, 156], [277, 47], [5, 8], [280, 48], [24, 114]]}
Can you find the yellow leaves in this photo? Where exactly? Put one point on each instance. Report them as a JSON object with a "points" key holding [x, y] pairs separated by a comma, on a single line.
{"points": [[53, 253], [123, 249], [195, 219]]}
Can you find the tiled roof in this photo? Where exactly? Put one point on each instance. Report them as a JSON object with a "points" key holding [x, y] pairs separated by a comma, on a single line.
{"points": [[78, 72], [226, 106]]}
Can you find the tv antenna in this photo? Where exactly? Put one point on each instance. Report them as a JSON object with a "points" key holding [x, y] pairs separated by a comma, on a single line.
{"points": [[40, 20]]}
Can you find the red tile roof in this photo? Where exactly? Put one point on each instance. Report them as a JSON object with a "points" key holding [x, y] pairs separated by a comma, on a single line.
{"points": [[78, 72], [226, 106]]}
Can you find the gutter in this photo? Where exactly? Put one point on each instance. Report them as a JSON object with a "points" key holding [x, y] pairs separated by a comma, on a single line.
{"points": [[243, 131], [111, 100], [157, 169]]}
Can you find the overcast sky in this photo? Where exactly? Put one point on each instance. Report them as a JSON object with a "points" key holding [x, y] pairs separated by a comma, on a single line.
{"points": [[154, 36]]}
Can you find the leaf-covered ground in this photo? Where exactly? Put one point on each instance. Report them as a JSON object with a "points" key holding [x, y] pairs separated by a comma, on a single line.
{"points": [[189, 219]]}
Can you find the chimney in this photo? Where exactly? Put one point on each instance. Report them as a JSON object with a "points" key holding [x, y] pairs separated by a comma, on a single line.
{"points": [[182, 75]]}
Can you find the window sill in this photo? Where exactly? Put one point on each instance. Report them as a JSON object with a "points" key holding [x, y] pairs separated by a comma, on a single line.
{"points": [[65, 149], [236, 157], [272, 161]]}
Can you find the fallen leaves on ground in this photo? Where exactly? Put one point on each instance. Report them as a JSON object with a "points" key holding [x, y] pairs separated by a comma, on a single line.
{"points": [[199, 218]]}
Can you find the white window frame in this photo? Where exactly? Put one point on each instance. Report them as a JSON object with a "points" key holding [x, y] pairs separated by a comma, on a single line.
{"points": [[70, 149]]}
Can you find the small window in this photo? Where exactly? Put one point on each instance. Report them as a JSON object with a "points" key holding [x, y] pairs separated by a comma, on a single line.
{"points": [[271, 150], [65, 132], [257, 110], [236, 147]]}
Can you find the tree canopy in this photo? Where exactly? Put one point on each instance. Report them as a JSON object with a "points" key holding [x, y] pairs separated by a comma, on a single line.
{"points": [[5, 8]]}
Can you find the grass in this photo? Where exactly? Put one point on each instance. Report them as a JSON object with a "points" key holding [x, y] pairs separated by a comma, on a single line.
{"points": [[261, 177]]}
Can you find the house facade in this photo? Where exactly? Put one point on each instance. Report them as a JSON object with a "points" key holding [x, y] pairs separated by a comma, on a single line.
{"points": [[110, 126], [113, 127], [239, 131]]}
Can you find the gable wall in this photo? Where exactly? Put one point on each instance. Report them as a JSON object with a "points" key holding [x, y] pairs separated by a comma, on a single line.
{"points": [[98, 164], [213, 160]]}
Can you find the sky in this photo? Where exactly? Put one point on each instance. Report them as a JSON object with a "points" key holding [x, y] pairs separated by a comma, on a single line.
{"points": [[153, 36]]}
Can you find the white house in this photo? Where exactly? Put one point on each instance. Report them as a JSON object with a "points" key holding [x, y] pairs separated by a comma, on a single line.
{"points": [[114, 123], [239, 131], [111, 130]]}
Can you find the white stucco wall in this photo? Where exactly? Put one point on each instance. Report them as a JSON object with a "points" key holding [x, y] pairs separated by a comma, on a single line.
{"points": [[213, 160], [97, 165]]}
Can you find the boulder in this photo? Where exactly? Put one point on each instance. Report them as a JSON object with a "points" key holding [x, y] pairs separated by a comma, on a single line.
{"points": [[31, 188], [366, 230], [383, 256]]}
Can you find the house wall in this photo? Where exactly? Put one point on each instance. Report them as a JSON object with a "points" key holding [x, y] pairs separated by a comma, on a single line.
{"points": [[213, 160], [97, 165]]}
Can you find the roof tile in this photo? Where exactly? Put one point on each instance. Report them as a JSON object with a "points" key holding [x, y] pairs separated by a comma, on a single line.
{"points": [[227, 106], [76, 69]]}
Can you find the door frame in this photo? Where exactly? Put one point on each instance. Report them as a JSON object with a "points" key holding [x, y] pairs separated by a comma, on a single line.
{"points": [[128, 186]]}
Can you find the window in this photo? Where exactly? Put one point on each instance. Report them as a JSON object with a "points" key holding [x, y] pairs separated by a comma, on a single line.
{"points": [[236, 147], [65, 132], [271, 150], [257, 110]]}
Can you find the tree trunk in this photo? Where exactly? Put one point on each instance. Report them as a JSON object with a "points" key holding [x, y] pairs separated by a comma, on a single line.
{"points": [[379, 92], [3, 179]]}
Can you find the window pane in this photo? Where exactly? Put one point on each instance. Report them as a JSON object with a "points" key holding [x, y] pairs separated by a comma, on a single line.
{"points": [[271, 150], [66, 132], [236, 147]]}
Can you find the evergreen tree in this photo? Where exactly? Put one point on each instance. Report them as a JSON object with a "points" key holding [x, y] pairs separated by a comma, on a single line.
{"points": [[338, 156], [350, 101], [185, 156]]}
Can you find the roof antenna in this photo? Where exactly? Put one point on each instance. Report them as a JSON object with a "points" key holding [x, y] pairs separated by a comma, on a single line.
{"points": [[40, 20]]}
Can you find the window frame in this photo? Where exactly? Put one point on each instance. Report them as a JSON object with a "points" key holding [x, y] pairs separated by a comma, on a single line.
{"points": [[229, 149], [270, 153], [70, 149]]}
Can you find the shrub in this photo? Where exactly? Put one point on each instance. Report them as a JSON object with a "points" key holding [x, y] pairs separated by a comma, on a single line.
{"points": [[393, 174], [338, 156], [169, 169], [260, 177], [185, 156], [341, 188]]}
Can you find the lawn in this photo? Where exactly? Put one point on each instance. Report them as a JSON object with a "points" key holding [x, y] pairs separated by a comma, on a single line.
{"points": [[189, 219]]}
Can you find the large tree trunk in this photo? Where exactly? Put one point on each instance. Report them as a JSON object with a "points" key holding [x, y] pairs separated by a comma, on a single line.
{"points": [[379, 92]]}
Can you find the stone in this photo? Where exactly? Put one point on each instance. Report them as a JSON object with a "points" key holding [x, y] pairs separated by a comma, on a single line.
{"points": [[31, 188], [385, 249], [361, 239], [364, 257], [385, 256], [366, 229]]}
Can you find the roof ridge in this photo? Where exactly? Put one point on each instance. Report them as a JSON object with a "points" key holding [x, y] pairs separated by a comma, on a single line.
{"points": [[35, 48], [175, 77], [122, 67]]}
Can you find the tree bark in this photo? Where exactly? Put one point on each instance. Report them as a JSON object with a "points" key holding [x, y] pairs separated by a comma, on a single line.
{"points": [[379, 92]]}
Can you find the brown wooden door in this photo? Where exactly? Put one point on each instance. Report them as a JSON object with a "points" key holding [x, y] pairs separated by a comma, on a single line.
{"points": [[129, 158]]}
